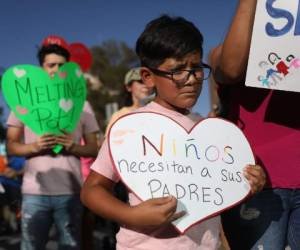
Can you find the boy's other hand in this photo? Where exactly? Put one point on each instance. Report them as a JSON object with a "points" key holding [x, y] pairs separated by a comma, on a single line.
{"points": [[66, 139], [256, 177]]}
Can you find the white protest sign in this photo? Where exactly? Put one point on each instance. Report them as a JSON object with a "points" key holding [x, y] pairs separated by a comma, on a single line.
{"points": [[274, 54], [202, 168]]}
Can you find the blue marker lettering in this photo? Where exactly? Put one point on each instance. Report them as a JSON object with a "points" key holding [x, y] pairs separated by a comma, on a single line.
{"points": [[278, 13]]}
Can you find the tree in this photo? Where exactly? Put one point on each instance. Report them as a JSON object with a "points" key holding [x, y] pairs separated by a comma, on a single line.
{"points": [[111, 61]]}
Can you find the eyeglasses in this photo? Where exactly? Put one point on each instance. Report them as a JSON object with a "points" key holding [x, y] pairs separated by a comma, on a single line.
{"points": [[180, 77]]}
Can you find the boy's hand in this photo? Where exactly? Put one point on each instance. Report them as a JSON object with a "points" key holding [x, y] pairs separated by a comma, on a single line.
{"points": [[44, 142], [256, 176], [156, 212], [65, 140]]}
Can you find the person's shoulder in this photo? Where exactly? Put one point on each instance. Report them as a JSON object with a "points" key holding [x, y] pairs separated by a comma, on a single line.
{"points": [[13, 120], [87, 107], [121, 112], [150, 107], [115, 116], [86, 104]]}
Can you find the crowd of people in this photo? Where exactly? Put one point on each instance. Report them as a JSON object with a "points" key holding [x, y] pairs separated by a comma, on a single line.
{"points": [[67, 190]]}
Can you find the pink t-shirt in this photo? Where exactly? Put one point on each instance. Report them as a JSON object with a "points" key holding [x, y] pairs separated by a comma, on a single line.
{"points": [[202, 236], [117, 115], [271, 122], [86, 162], [55, 174]]}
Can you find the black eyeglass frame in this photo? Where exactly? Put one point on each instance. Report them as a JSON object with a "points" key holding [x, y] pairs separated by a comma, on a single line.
{"points": [[169, 74]]}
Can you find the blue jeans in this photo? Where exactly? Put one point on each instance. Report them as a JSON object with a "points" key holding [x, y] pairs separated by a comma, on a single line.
{"points": [[39, 212], [268, 221]]}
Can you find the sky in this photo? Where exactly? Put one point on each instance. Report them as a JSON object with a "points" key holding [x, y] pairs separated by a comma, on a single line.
{"points": [[24, 24]]}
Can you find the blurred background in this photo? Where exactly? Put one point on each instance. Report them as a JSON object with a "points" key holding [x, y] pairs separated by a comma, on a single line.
{"points": [[109, 29]]}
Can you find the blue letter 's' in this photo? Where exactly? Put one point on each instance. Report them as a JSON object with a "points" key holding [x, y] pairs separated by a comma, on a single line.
{"points": [[278, 13]]}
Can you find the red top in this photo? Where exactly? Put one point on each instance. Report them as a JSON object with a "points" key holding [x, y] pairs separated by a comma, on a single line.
{"points": [[270, 120]]}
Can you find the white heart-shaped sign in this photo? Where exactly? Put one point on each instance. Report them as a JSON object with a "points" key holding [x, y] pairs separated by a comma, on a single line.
{"points": [[202, 168], [65, 105]]}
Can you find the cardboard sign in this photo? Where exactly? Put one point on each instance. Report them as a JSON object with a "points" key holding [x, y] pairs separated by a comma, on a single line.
{"points": [[274, 55], [202, 168], [42, 103]]}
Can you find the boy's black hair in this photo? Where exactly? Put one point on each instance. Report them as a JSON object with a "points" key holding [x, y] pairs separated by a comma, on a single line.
{"points": [[167, 37], [52, 49]]}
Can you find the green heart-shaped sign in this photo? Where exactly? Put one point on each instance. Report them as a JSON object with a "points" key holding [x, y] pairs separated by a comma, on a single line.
{"points": [[44, 104]]}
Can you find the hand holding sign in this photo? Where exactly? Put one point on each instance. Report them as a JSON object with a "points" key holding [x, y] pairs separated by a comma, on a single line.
{"points": [[44, 142], [156, 212], [66, 140], [44, 104], [202, 168]]}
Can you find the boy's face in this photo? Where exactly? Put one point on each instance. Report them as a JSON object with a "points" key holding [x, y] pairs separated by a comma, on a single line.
{"points": [[52, 62], [168, 93]]}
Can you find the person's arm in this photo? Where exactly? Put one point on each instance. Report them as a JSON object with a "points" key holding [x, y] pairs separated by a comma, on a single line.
{"points": [[214, 95], [229, 60], [97, 195], [89, 149], [16, 147]]}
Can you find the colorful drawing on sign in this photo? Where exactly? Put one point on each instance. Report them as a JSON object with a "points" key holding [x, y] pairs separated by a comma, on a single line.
{"points": [[275, 69], [274, 58], [202, 168], [42, 103]]}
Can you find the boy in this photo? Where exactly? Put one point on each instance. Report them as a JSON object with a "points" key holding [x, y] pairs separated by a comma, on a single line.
{"points": [[51, 183], [170, 50]]}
